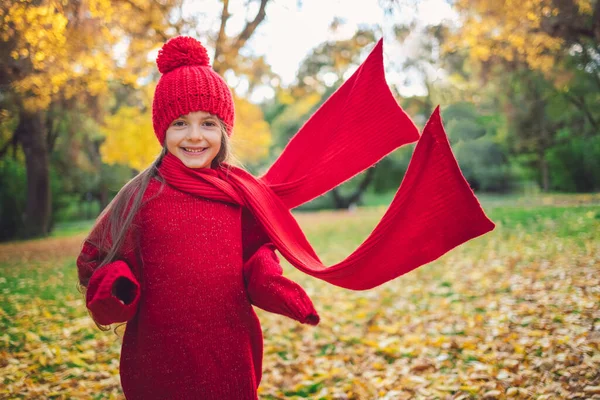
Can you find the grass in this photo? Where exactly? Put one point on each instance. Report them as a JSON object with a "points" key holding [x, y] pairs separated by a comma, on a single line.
{"points": [[72, 228]]}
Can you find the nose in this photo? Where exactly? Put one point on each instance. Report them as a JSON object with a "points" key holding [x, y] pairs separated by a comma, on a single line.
{"points": [[196, 132]]}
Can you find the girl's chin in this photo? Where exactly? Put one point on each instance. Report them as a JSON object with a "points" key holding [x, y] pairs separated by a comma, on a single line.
{"points": [[197, 164], [195, 161]]}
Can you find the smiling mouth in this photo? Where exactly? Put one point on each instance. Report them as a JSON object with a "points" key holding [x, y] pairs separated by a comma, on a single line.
{"points": [[193, 151]]}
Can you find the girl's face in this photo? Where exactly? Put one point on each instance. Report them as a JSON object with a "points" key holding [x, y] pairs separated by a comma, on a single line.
{"points": [[195, 139]]}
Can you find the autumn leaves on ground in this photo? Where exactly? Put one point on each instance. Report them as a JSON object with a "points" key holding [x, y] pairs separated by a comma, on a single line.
{"points": [[513, 314]]}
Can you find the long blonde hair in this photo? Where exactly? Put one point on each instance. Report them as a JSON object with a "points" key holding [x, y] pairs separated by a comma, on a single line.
{"points": [[109, 236]]}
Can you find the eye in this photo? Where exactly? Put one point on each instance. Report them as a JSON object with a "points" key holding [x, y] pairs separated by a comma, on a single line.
{"points": [[210, 123], [178, 123]]}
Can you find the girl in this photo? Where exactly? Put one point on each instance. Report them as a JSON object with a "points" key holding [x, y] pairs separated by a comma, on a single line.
{"points": [[188, 245]]}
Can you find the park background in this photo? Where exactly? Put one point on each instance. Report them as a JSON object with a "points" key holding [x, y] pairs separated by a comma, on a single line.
{"points": [[512, 314]]}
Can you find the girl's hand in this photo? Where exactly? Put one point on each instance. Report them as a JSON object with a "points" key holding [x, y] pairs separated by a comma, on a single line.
{"points": [[268, 289], [122, 289], [113, 293]]}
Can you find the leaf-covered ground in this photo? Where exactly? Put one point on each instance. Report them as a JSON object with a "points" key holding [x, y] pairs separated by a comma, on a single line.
{"points": [[513, 314]]}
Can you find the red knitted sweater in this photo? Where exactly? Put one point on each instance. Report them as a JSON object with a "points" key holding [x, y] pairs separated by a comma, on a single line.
{"points": [[192, 332]]}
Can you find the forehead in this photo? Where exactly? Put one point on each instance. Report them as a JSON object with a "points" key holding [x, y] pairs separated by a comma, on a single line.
{"points": [[197, 115]]}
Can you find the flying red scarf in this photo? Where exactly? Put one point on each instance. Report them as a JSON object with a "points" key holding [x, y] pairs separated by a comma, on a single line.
{"points": [[433, 211]]}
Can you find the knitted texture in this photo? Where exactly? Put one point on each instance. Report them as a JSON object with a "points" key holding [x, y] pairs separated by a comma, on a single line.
{"points": [[188, 84], [191, 331]]}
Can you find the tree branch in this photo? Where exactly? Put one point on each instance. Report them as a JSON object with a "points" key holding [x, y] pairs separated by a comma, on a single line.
{"points": [[580, 103], [220, 42], [596, 22], [588, 59], [11, 142], [250, 27], [148, 24], [355, 197], [52, 132], [345, 202]]}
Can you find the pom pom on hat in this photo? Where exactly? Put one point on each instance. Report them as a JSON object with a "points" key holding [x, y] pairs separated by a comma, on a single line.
{"points": [[188, 83], [181, 51]]}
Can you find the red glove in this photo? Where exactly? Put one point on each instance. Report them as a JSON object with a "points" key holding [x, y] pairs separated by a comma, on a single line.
{"points": [[113, 293], [268, 289]]}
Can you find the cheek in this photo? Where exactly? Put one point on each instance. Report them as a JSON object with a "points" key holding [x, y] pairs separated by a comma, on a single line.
{"points": [[172, 138], [215, 139]]}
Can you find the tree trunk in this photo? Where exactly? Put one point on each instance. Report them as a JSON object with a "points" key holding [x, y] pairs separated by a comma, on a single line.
{"points": [[31, 133], [341, 202], [103, 195], [544, 171], [102, 184]]}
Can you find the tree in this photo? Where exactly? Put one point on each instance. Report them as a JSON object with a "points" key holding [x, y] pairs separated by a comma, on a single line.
{"points": [[129, 139], [251, 138], [54, 54], [327, 64], [538, 32], [476, 145], [543, 119], [558, 38], [228, 54], [541, 58]]}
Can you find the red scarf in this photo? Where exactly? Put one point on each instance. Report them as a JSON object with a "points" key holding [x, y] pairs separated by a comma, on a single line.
{"points": [[433, 211]]}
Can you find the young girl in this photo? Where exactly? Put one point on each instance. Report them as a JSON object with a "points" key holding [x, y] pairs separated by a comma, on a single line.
{"points": [[187, 246]]}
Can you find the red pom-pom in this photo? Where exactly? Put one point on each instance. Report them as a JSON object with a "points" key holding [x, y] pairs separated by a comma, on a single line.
{"points": [[181, 51]]}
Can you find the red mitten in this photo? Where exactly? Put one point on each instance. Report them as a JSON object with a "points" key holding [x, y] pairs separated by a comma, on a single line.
{"points": [[113, 293], [268, 289]]}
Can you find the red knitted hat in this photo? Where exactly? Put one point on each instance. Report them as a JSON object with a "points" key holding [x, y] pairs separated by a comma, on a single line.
{"points": [[188, 83]]}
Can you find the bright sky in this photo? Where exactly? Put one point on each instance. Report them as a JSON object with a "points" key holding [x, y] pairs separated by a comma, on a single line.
{"points": [[289, 32]]}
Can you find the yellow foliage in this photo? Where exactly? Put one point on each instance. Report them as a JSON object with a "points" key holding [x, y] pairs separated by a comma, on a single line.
{"points": [[509, 30], [305, 104], [129, 139], [252, 136], [285, 97], [585, 6], [52, 47], [295, 111], [68, 49]]}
